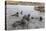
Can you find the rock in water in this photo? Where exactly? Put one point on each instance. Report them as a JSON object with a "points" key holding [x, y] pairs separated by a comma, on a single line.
{"points": [[32, 17], [40, 19], [21, 12], [17, 14], [14, 25]]}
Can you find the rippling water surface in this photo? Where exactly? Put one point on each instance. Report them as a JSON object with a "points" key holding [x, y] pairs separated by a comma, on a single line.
{"points": [[34, 23]]}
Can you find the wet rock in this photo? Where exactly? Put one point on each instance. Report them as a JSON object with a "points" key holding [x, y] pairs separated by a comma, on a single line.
{"points": [[23, 22], [14, 25], [17, 14], [40, 19], [32, 17], [26, 17], [21, 12]]}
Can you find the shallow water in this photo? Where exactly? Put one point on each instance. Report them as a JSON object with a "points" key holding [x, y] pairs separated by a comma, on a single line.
{"points": [[34, 23]]}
